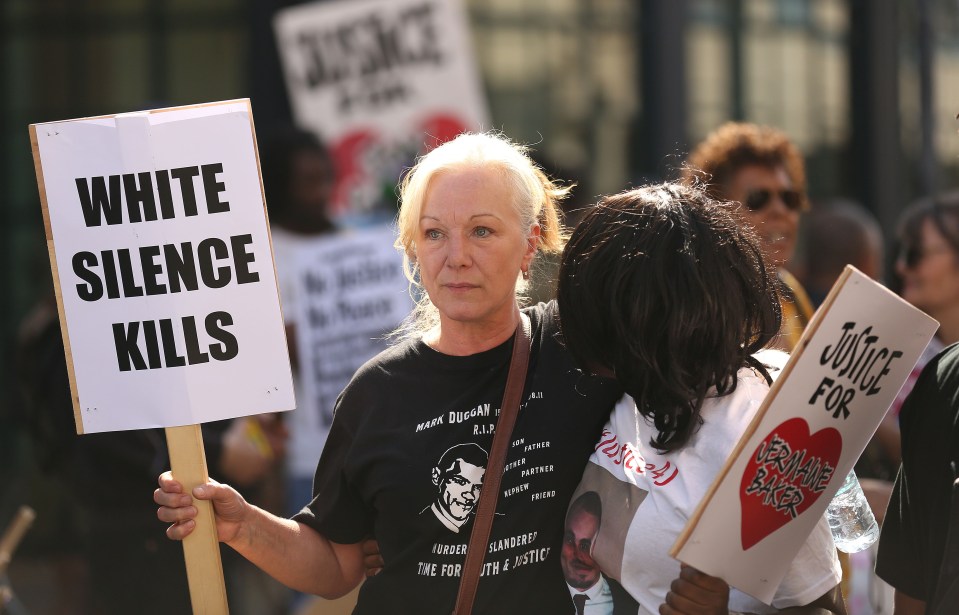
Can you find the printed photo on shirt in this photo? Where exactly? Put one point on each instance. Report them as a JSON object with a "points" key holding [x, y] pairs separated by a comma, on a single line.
{"points": [[593, 592], [458, 477]]}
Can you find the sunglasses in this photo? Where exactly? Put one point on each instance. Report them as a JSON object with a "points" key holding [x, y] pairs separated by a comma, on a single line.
{"points": [[759, 199]]}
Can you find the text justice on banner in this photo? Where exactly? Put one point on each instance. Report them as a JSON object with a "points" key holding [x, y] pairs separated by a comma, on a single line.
{"points": [[806, 436], [379, 81], [159, 240]]}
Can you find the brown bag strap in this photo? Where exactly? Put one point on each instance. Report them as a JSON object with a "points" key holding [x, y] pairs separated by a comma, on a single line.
{"points": [[489, 493]]}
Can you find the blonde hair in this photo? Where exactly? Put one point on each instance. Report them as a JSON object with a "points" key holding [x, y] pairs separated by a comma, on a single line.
{"points": [[536, 199]]}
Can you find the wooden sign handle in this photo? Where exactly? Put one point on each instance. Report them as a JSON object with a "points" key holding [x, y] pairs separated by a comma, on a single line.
{"points": [[14, 534], [201, 549]]}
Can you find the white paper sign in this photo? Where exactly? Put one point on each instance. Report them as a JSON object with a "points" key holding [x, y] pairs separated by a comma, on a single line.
{"points": [[160, 247], [351, 293], [813, 425], [379, 81]]}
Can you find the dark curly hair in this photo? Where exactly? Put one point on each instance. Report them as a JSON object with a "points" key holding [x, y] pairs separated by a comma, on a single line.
{"points": [[735, 145], [662, 286]]}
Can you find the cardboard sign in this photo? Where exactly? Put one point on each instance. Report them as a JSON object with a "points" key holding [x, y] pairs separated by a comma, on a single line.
{"points": [[379, 81], [351, 293], [160, 248], [816, 420]]}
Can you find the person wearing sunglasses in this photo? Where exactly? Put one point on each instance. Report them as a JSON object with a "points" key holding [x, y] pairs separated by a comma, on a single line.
{"points": [[917, 548], [928, 262], [759, 168], [927, 276]]}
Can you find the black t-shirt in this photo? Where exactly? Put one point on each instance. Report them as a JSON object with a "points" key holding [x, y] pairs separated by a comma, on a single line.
{"points": [[914, 530], [405, 459]]}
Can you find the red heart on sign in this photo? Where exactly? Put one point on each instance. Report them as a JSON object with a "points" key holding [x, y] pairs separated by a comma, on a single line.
{"points": [[785, 475]]}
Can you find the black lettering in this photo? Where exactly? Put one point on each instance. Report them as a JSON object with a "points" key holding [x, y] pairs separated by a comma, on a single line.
{"points": [[125, 340], [790, 501], [826, 355], [93, 289], [110, 275], [851, 353], [153, 344], [802, 474], [97, 205], [212, 189], [793, 462], [165, 193], [180, 266], [345, 37], [822, 477], [137, 195], [130, 288], [151, 270], [863, 363], [377, 57], [388, 44], [207, 250], [317, 71], [782, 455], [242, 259], [430, 51], [169, 344], [864, 357], [822, 388], [814, 469], [843, 408], [756, 484], [228, 348], [193, 353], [874, 385], [185, 176]]}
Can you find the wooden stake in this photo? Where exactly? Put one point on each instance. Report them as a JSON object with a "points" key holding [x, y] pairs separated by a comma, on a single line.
{"points": [[13, 535], [201, 549]]}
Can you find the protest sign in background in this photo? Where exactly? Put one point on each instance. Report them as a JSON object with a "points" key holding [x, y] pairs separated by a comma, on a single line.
{"points": [[160, 248], [351, 292], [806, 437], [379, 81]]}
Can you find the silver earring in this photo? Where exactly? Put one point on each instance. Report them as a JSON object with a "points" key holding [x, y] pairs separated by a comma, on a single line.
{"points": [[525, 274]]}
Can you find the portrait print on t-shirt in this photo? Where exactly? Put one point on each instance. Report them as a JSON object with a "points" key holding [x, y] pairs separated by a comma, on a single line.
{"points": [[458, 478], [598, 520]]}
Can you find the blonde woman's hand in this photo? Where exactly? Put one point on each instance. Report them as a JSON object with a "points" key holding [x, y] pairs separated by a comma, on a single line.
{"points": [[176, 507]]}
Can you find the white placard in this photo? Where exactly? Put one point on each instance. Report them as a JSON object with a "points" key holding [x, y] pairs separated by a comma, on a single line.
{"points": [[379, 81], [813, 425], [351, 292], [160, 247]]}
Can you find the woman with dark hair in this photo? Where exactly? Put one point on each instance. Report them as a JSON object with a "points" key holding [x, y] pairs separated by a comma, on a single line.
{"points": [[928, 263], [928, 274], [665, 289]]}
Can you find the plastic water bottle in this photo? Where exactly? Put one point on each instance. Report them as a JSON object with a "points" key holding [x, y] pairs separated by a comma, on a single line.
{"points": [[853, 525]]}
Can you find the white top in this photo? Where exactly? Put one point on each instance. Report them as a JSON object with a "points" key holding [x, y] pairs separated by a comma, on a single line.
{"points": [[599, 598], [671, 487]]}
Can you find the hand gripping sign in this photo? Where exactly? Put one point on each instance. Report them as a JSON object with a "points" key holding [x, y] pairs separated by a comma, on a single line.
{"points": [[160, 248], [816, 420]]}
